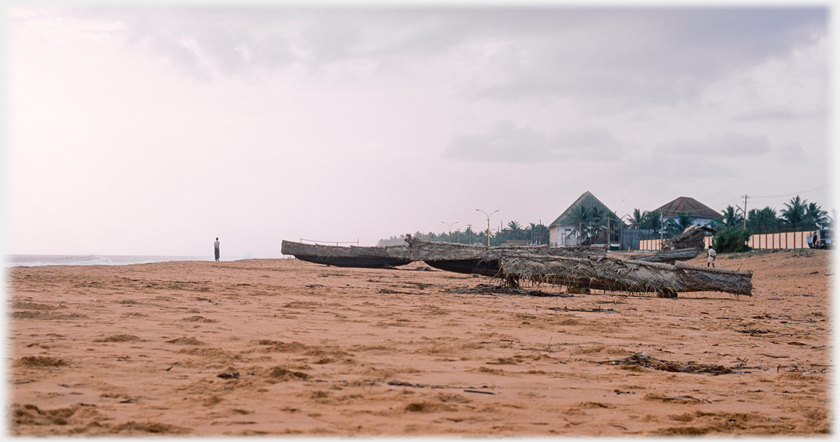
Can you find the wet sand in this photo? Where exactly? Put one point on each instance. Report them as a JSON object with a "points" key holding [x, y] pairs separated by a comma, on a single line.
{"points": [[283, 347]]}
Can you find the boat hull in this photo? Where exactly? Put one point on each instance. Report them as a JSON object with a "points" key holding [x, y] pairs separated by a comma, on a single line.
{"points": [[361, 261], [481, 260], [467, 266], [363, 257]]}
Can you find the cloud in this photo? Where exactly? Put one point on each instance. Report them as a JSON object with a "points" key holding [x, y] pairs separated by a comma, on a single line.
{"points": [[504, 141], [653, 55], [650, 56], [791, 153], [724, 146]]}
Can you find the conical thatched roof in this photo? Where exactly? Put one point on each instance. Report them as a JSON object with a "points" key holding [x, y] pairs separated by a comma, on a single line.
{"points": [[587, 200], [690, 205]]}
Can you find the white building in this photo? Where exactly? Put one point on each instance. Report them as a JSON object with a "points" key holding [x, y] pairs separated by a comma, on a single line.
{"points": [[563, 232]]}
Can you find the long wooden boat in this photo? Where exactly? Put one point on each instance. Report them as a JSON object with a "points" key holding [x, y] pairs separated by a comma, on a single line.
{"points": [[483, 260], [669, 256], [625, 275], [353, 256]]}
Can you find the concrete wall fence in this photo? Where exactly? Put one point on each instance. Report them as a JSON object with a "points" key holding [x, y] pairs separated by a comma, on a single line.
{"points": [[786, 240]]}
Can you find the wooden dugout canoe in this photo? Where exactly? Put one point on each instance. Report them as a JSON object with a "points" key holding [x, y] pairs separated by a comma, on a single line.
{"points": [[625, 275], [669, 256], [365, 257], [483, 260]]}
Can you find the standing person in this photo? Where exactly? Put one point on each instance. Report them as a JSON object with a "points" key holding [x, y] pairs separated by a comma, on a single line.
{"points": [[712, 254], [216, 248]]}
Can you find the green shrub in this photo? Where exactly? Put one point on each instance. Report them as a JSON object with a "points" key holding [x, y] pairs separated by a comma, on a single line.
{"points": [[731, 240]]}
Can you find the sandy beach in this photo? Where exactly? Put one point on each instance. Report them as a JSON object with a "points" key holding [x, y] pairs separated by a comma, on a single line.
{"points": [[284, 347]]}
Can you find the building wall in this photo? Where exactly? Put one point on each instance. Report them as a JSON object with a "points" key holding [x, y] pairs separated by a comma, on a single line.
{"points": [[787, 240], [558, 236]]}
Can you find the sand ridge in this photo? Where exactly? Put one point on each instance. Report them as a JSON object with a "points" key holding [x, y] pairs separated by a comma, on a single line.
{"points": [[283, 347]]}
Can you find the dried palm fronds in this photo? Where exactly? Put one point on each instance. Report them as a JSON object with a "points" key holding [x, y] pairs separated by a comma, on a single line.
{"points": [[624, 275], [442, 251]]}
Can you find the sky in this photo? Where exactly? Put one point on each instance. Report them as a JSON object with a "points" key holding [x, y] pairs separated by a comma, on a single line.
{"points": [[153, 128]]}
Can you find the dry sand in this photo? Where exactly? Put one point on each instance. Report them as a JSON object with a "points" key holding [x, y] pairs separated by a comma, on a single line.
{"points": [[287, 347]]}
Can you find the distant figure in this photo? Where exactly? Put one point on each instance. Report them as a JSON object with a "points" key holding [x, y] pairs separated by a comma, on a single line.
{"points": [[712, 254], [216, 248]]}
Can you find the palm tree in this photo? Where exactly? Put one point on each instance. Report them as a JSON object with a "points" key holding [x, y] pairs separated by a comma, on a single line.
{"points": [[468, 234], [538, 233], [764, 220], [679, 224], [583, 218], [516, 231], [731, 218], [637, 219], [816, 216], [652, 221], [795, 214], [615, 225]]}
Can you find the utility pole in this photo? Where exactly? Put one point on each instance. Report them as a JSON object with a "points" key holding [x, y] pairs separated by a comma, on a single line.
{"points": [[469, 229], [745, 197]]}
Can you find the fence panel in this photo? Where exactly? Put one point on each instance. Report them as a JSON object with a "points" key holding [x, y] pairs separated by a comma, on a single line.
{"points": [[786, 240], [655, 244]]}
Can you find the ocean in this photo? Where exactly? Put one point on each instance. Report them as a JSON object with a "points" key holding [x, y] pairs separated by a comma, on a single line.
{"points": [[92, 260]]}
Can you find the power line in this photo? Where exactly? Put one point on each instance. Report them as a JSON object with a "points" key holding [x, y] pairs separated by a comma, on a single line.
{"points": [[823, 187], [818, 192]]}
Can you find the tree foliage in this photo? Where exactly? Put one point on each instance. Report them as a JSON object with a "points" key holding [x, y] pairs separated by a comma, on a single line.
{"points": [[731, 217], [764, 220], [679, 224], [731, 240], [815, 216], [798, 215], [652, 221], [795, 213], [533, 233], [637, 219]]}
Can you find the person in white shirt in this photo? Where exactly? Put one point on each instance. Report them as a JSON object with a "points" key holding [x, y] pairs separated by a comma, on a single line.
{"points": [[711, 261], [216, 248]]}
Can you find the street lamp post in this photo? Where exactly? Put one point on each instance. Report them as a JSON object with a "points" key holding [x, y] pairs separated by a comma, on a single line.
{"points": [[488, 223], [450, 228]]}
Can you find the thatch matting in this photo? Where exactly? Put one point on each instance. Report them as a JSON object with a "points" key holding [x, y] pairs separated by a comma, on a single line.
{"points": [[624, 275], [693, 237], [442, 251], [669, 256]]}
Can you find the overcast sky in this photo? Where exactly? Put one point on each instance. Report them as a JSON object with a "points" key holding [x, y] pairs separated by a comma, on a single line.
{"points": [[153, 129]]}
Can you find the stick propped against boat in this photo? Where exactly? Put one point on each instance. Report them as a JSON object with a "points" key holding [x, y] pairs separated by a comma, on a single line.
{"points": [[353, 256], [625, 275]]}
